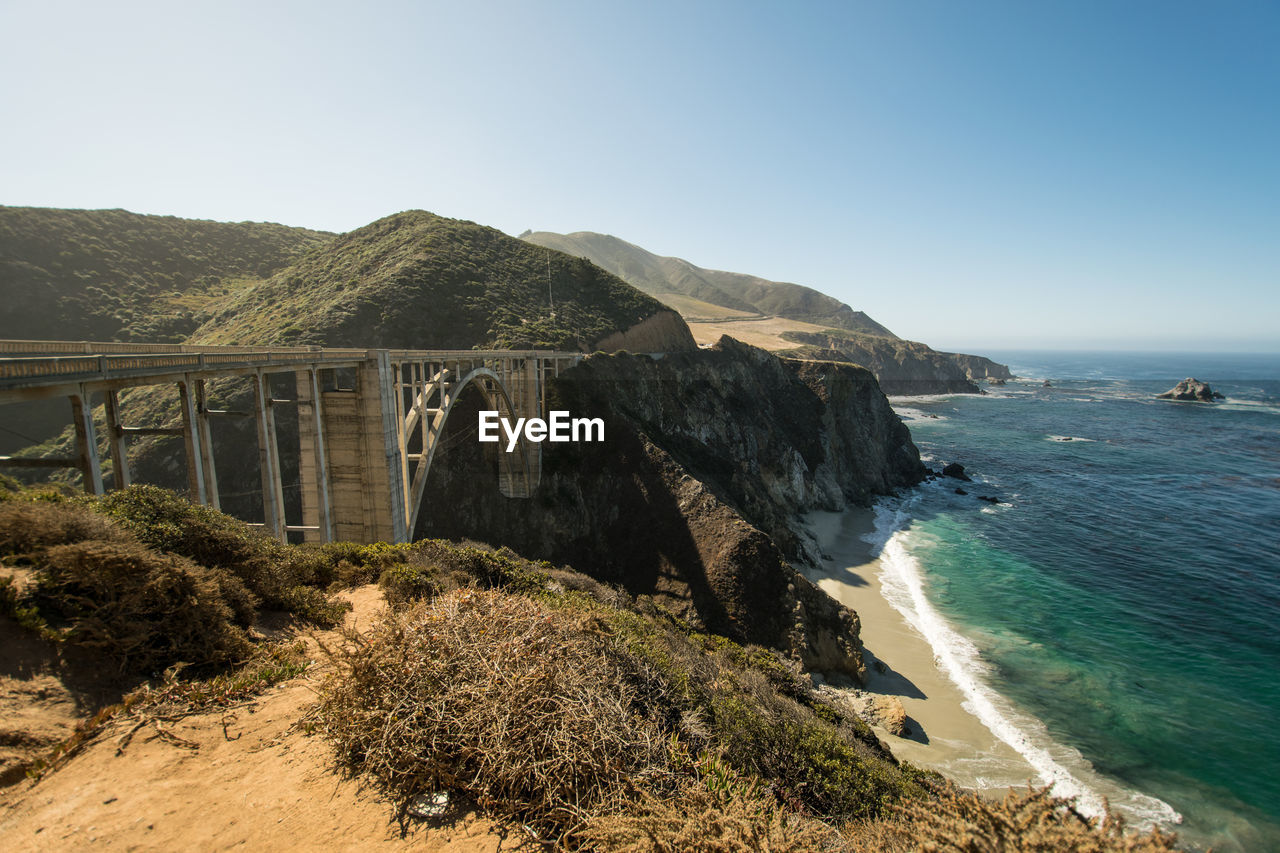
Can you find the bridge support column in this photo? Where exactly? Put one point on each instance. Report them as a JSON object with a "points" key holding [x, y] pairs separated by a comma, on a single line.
{"points": [[119, 450], [205, 425], [268, 459], [363, 446], [313, 461], [191, 425], [86, 442]]}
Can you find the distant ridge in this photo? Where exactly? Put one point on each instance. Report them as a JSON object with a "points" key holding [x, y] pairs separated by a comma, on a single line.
{"points": [[665, 277], [789, 319]]}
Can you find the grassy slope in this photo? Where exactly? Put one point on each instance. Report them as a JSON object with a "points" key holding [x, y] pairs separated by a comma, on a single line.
{"points": [[415, 279], [744, 293], [115, 275]]}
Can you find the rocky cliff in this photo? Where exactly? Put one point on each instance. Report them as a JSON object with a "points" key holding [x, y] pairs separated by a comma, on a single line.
{"points": [[903, 367], [979, 368], [708, 457]]}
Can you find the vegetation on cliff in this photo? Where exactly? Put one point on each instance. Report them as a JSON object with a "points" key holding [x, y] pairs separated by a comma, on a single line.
{"points": [[107, 275], [417, 280]]}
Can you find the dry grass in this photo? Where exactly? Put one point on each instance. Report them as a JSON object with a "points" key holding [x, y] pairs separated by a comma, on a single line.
{"points": [[518, 705], [1031, 822], [696, 819]]}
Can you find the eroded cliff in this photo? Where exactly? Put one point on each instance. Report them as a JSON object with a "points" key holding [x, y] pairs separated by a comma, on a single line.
{"points": [[708, 456], [903, 367]]}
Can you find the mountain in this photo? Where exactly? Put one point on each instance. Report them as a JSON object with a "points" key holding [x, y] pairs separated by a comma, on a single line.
{"points": [[114, 275], [781, 317], [674, 277], [419, 280]]}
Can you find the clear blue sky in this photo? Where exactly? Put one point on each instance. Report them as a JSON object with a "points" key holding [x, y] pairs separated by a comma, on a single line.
{"points": [[1083, 172]]}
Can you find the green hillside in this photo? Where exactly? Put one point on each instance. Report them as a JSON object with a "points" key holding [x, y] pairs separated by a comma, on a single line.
{"points": [[415, 279], [115, 275], [659, 276]]}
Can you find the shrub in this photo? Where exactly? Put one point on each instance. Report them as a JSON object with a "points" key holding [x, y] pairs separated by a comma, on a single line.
{"points": [[518, 705], [30, 526], [312, 605], [698, 820], [276, 573], [1031, 822], [145, 610], [404, 582], [167, 522]]}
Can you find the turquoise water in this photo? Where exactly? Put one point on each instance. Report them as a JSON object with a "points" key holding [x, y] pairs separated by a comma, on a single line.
{"points": [[1127, 593]]}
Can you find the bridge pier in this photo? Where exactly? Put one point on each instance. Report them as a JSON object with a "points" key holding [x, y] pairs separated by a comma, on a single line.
{"points": [[354, 435], [86, 441]]}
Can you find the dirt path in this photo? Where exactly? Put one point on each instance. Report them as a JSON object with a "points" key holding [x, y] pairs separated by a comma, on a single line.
{"points": [[254, 781]]}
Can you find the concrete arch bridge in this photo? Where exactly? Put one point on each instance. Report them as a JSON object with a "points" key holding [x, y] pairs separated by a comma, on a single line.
{"points": [[369, 421]]}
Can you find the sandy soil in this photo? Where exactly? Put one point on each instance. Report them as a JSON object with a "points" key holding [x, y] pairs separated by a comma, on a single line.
{"points": [[695, 310], [945, 736], [766, 333], [250, 779]]}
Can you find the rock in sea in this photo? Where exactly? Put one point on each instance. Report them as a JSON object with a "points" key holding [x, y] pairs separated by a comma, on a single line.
{"points": [[1192, 390], [956, 470]]}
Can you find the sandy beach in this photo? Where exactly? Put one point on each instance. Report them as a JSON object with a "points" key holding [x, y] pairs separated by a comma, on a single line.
{"points": [[944, 736]]}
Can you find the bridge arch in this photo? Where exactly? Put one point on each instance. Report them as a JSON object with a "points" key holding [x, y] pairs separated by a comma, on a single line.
{"points": [[516, 469]]}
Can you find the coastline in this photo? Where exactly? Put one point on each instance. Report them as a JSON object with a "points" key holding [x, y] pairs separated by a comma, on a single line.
{"points": [[944, 735], [958, 726]]}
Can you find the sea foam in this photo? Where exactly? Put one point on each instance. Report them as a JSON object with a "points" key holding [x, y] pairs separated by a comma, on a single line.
{"points": [[1068, 772]]}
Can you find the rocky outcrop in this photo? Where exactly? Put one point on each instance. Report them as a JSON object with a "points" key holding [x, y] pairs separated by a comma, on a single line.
{"points": [[1191, 390], [707, 458], [878, 709], [979, 368], [903, 368]]}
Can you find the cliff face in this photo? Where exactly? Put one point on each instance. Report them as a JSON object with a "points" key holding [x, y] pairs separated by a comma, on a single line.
{"points": [[903, 367], [977, 368], [708, 456]]}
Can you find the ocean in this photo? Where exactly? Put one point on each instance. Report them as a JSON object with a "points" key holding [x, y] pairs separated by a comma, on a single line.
{"points": [[1116, 618]]}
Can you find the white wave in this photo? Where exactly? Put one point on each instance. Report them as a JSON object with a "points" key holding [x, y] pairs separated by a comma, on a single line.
{"points": [[896, 399], [1249, 406], [909, 414], [1069, 438], [903, 586]]}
